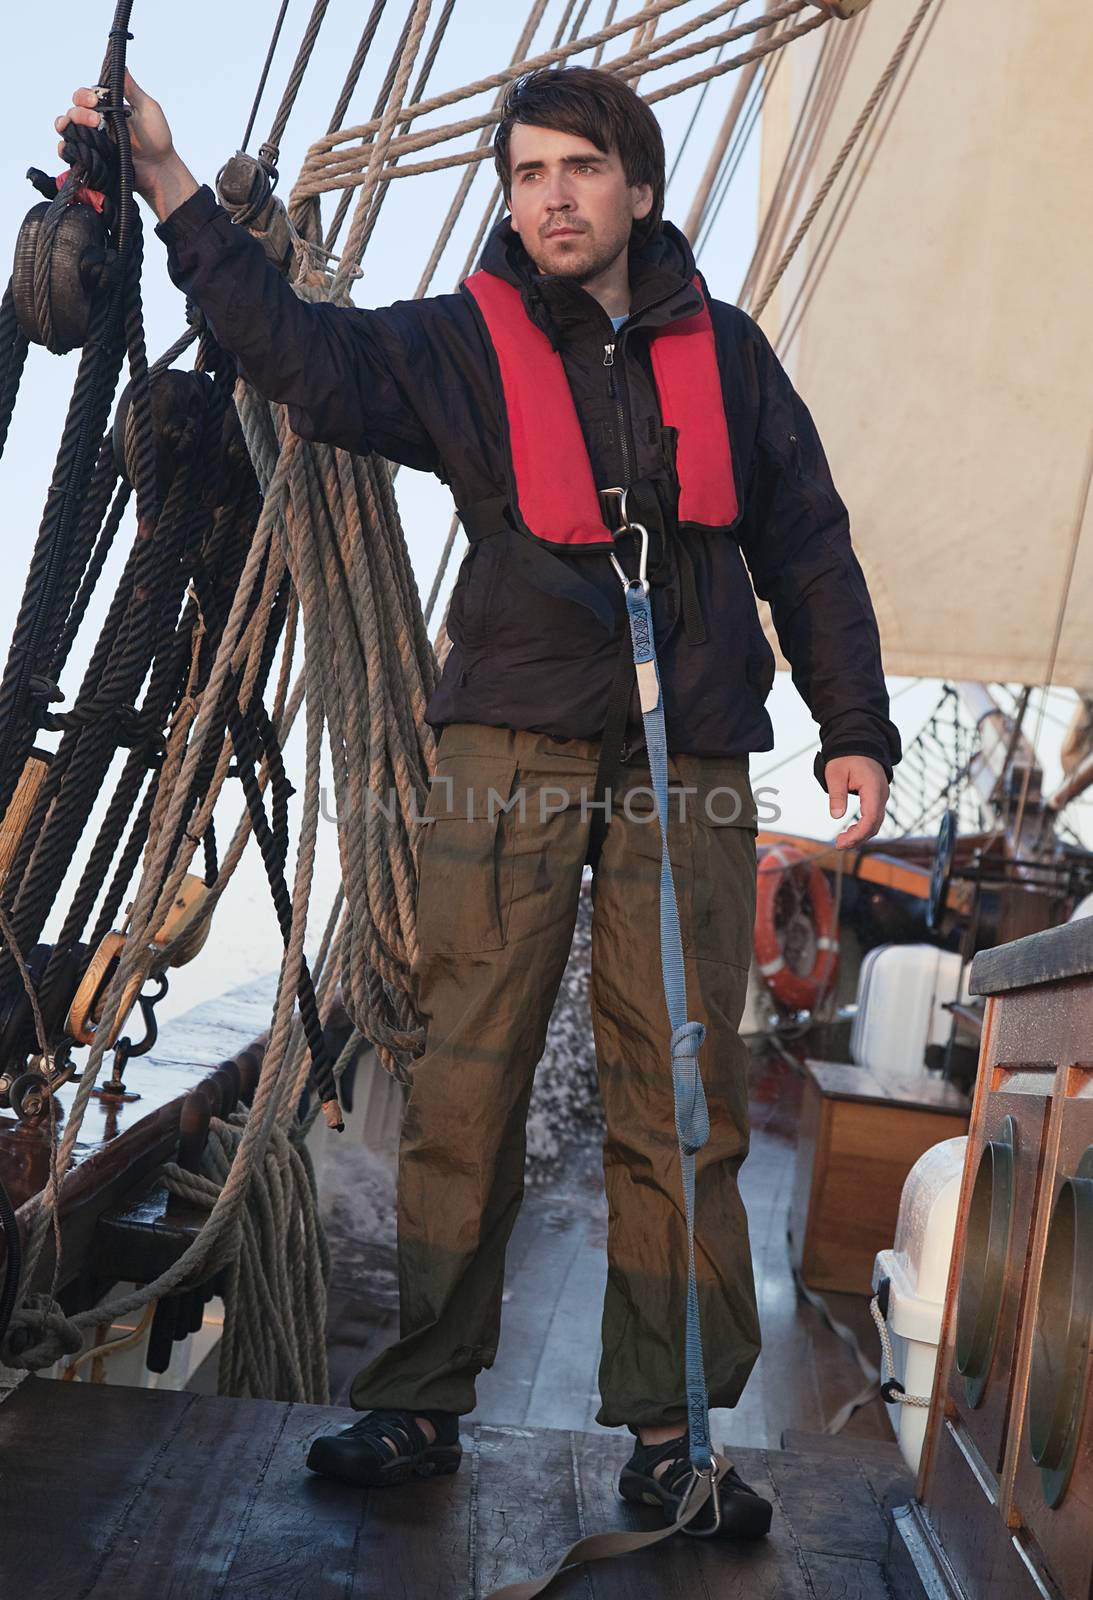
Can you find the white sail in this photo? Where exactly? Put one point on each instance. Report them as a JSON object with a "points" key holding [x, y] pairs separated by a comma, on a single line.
{"points": [[940, 327]]}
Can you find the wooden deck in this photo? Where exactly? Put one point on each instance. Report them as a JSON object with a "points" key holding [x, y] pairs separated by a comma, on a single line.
{"points": [[122, 1494]]}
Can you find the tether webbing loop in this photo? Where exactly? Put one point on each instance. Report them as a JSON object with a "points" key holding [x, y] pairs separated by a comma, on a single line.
{"points": [[691, 1111], [692, 1114]]}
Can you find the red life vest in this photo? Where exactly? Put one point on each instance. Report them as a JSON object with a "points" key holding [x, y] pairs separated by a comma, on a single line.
{"points": [[555, 489]]}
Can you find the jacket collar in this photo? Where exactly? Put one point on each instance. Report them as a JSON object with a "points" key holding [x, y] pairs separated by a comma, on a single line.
{"points": [[661, 274]]}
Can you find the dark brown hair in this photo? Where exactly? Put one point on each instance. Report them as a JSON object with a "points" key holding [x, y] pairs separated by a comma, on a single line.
{"points": [[597, 106]]}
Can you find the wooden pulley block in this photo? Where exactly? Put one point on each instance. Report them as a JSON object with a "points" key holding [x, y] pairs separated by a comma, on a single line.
{"points": [[843, 9], [178, 402], [85, 1013], [190, 915], [20, 807], [77, 254]]}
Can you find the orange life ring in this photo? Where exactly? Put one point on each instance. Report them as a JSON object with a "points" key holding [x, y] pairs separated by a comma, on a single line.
{"points": [[796, 938]]}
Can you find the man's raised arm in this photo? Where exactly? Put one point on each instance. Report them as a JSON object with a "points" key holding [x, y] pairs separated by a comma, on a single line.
{"points": [[341, 371]]}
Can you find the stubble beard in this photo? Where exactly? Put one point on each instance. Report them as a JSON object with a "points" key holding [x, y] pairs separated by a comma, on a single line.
{"points": [[580, 258]]}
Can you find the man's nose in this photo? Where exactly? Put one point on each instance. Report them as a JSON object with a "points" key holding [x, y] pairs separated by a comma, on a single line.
{"points": [[559, 196]]}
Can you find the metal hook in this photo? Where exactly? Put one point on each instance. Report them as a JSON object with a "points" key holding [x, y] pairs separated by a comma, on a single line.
{"points": [[715, 1500]]}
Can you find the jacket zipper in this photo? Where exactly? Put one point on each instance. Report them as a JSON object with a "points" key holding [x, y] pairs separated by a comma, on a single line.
{"points": [[613, 391]]}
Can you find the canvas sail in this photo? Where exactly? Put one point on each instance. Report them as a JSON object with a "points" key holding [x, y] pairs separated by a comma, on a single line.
{"points": [[938, 322]]}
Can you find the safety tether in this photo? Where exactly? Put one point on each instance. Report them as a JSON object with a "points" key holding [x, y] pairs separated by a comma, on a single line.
{"points": [[691, 1111]]}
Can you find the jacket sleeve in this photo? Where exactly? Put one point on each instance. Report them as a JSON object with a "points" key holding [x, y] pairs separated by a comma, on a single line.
{"points": [[342, 372], [795, 535]]}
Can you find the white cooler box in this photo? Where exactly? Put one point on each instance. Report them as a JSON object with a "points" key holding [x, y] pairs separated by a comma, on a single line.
{"points": [[901, 990], [917, 1271]]}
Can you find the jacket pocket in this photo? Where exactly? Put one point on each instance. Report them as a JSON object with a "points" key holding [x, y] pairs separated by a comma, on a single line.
{"points": [[466, 857]]}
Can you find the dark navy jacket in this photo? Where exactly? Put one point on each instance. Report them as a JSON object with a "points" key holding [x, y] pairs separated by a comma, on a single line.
{"points": [[536, 632]]}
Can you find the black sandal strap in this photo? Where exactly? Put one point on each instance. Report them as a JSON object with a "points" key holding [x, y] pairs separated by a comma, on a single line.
{"points": [[378, 1427]]}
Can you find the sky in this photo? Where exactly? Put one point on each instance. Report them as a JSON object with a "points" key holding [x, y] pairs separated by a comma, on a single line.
{"points": [[203, 65]]}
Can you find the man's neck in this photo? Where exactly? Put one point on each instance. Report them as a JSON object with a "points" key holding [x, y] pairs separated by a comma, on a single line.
{"points": [[611, 287]]}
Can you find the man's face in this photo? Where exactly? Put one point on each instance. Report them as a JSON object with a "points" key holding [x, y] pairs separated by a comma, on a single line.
{"points": [[570, 202]]}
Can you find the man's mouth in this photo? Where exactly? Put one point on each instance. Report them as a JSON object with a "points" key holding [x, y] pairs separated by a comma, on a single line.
{"points": [[563, 233]]}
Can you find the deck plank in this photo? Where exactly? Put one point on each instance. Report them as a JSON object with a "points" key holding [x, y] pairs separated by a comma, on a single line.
{"points": [[834, 1512], [183, 1527], [845, 1578], [65, 1445], [298, 1533], [526, 1509]]}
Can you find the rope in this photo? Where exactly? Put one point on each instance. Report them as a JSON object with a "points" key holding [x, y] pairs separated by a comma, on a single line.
{"points": [[361, 226], [270, 151], [891, 1389], [278, 25], [1057, 631], [458, 201], [840, 160], [498, 80], [809, 118], [420, 141], [843, 206], [325, 169], [273, 1341]]}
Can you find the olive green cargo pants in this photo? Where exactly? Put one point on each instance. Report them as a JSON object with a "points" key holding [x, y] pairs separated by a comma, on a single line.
{"points": [[499, 877]]}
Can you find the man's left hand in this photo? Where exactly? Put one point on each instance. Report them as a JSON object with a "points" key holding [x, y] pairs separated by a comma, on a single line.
{"points": [[863, 776]]}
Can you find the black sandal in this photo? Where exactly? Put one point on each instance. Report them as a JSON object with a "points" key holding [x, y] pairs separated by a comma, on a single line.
{"points": [[744, 1512], [388, 1447]]}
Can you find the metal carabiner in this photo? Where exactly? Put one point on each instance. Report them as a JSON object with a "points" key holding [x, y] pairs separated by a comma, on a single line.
{"points": [[643, 559], [715, 1500]]}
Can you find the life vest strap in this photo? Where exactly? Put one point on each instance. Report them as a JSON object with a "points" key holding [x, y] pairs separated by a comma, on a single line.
{"points": [[555, 498]]}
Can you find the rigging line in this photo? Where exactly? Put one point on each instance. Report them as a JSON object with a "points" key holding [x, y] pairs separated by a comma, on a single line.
{"points": [[445, 557], [440, 244], [559, 32], [740, 145], [326, 168], [845, 201], [716, 150], [741, 137], [1064, 597], [864, 116], [792, 149], [828, 92], [548, 58], [346, 177], [356, 66], [609, 17], [359, 229], [423, 77], [380, 101], [578, 21], [265, 74], [296, 76], [699, 103]]}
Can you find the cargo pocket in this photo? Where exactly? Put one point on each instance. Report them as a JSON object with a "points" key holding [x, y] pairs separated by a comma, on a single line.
{"points": [[724, 834], [466, 857]]}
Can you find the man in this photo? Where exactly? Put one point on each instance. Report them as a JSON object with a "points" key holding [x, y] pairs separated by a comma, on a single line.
{"points": [[584, 357]]}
